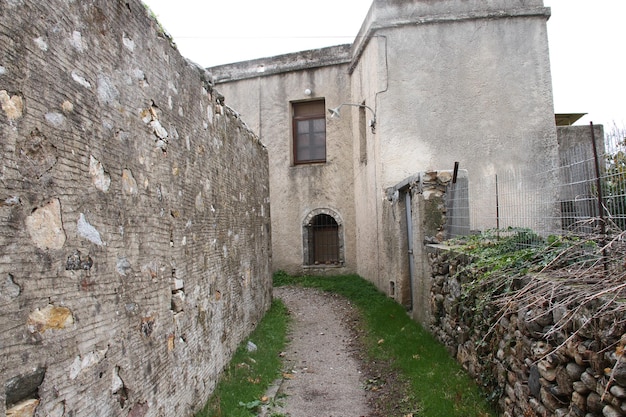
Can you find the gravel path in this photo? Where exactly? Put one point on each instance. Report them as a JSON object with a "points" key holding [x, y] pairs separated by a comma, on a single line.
{"points": [[322, 378]]}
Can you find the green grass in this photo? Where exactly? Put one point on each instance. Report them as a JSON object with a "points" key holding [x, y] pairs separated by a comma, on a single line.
{"points": [[438, 382], [245, 381]]}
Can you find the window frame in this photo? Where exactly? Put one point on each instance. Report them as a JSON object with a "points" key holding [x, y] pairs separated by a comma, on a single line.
{"points": [[362, 134], [301, 114]]}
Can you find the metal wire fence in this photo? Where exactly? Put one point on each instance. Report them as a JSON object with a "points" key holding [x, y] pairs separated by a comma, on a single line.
{"points": [[584, 195]]}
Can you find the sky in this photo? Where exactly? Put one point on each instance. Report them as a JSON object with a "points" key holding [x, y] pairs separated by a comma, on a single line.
{"points": [[586, 40]]}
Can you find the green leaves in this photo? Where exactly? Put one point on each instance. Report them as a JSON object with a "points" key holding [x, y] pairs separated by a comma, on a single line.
{"points": [[252, 405]]}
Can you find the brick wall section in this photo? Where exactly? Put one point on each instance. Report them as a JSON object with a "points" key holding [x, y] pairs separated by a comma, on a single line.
{"points": [[134, 216]]}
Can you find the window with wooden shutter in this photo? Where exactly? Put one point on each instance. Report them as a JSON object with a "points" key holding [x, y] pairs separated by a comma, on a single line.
{"points": [[309, 132]]}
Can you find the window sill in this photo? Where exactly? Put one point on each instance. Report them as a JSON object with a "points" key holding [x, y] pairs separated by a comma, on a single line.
{"points": [[308, 164], [323, 266]]}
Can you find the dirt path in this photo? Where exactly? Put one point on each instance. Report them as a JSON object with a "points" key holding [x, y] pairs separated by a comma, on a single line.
{"points": [[322, 374]]}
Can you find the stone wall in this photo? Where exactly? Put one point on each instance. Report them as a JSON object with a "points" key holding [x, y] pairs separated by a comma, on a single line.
{"points": [[134, 216], [415, 213], [534, 359]]}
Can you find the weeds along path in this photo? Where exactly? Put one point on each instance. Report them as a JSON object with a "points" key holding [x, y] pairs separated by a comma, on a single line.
{"points": [[322, 377]]}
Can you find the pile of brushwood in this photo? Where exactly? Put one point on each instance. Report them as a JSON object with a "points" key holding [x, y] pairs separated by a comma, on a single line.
{"points": [[540, 320]]}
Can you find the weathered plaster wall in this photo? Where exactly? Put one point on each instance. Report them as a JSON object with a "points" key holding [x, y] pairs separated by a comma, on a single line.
{"points": [[298, 190], [368, 81], [484, 95], [133, 257], [464, 81], [573, 137]]}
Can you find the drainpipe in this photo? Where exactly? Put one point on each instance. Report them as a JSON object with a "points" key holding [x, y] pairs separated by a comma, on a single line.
{"points": [[409, 232]]}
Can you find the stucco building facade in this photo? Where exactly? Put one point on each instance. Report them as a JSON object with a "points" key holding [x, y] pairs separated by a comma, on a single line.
{"points": [[426, 83]]}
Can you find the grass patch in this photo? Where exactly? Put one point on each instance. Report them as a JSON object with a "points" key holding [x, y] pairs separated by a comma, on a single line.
{"points": [[437, 381], [241, 388]]}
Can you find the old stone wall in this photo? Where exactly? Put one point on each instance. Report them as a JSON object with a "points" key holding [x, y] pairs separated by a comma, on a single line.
{"points": [[415, 213], [538, 358], [134, 216]]}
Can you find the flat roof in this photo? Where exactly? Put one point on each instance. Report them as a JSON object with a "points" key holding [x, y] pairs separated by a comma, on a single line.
{"points": [[567, 119]]}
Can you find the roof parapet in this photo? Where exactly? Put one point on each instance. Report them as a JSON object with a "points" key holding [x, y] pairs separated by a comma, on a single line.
{"points": [[383, 14], [315, 58], [387, 14]]}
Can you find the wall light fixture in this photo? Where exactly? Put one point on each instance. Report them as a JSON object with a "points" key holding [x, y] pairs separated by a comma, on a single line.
{"points": [[335, 113]]}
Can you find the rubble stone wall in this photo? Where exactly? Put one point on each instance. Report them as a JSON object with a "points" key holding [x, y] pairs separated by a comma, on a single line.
{"points": [[134, 216], [516, 354]]}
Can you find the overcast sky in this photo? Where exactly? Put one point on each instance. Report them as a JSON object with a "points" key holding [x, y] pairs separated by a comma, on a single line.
{"points": [[587, 50]]}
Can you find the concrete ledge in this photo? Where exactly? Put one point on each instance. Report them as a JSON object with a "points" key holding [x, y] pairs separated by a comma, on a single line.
{"points": [[298, 61]]}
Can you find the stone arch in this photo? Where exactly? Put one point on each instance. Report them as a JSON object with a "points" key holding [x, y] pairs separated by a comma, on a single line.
{"points": [[323, 238]]}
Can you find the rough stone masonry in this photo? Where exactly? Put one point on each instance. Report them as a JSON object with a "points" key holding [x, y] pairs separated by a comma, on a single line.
{"points": [[134, 216]]}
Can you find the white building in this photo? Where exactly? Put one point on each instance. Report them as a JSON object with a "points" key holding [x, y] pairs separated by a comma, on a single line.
{"points": [[425, 84]]}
